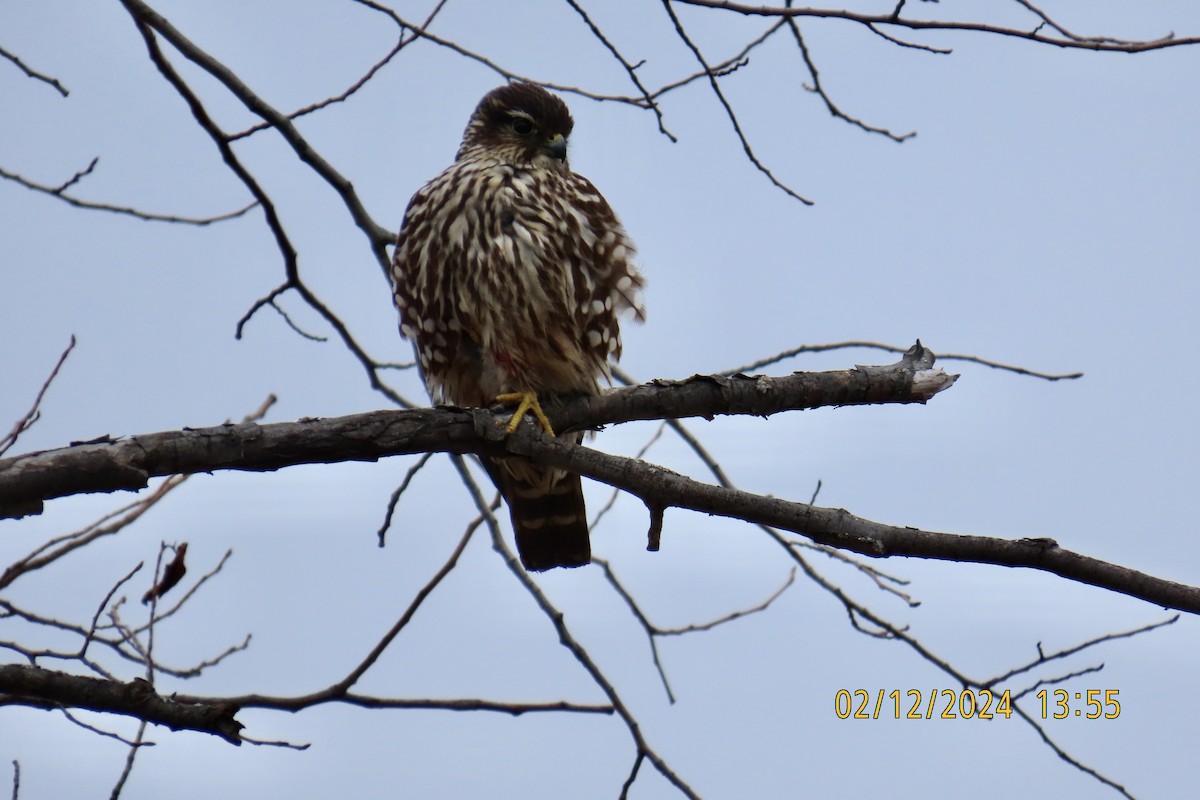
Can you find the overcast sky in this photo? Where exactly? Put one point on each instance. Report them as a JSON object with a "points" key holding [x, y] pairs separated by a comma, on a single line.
{"points": [[1045, 215]]}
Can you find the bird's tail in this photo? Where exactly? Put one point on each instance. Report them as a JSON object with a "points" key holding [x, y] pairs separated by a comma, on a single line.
{"points": [[548, 513]]}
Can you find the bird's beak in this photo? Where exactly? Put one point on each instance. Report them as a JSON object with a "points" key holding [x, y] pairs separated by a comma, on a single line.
{"points": [[557, 146]]}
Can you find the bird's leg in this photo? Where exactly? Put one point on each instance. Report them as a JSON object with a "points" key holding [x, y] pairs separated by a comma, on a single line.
{"points": [[525, 402]]}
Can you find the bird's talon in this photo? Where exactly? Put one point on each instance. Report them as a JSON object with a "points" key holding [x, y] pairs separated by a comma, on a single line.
{"points": [[525, 402]]}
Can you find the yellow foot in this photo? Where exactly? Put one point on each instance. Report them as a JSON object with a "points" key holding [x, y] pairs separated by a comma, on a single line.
{"points": [[525, 402]]}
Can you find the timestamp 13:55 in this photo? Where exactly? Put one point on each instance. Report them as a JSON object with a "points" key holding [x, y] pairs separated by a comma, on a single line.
{"points": [[1092, 704]]}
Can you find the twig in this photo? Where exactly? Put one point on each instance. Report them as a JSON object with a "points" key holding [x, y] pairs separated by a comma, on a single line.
{"points": [[339, 691], [567, 640], [60, 192], [31, 416], [630, 69], [77, 177], [148, 22], [337, 98], [653, 631], [44, 79], [1070, 651], [723, 68], [887, 37], [507, 74], [1067, 757], [395, 498], [401, 43], [821, 348], [312, 337], [96, 730], [648, 627], [52, 550], [268, 743], [819, 91], [343, 686], [134, 747], [884, 581], [91, 632], [1057, 679], [1064, 40], [633, 773], [733, 615], [737, 127]]}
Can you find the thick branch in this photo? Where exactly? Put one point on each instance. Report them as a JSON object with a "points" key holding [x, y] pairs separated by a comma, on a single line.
{"points": [[49, 689], [36, 687], [110, 465], [836, 527]]}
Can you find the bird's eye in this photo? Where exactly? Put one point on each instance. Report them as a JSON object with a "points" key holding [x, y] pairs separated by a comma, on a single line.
{"points": [[522, 126]]}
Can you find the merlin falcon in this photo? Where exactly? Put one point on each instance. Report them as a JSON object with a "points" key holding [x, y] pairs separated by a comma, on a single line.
{"points": [[509, 274]]}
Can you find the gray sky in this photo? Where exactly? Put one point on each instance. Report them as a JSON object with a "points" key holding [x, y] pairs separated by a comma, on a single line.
{"points": [[1045, 216]]}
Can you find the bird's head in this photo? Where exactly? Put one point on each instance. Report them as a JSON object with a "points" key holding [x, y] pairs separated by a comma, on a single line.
{"points": [[520, 124]]}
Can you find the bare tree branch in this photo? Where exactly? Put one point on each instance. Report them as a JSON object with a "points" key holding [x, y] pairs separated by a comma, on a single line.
{"points": [[108, 465], [134, 747], [26, 422], [732, 615], [1060, 37], [1067, 757], [482, 60], [136, 698], [44, 79], [568, 640], [129, 463], [729, 112], [51, 551], [630, 69], [820, 92], [74, 720], [612, 498], [401, 43], [1070, 651], [722, 68], [890, 348], [60, 192], [395, 498], [114, 521], [654, 631], [838, 528], [148, 21]]}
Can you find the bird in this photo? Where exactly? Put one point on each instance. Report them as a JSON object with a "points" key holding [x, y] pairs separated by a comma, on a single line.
{"points": [[509, 274]]}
